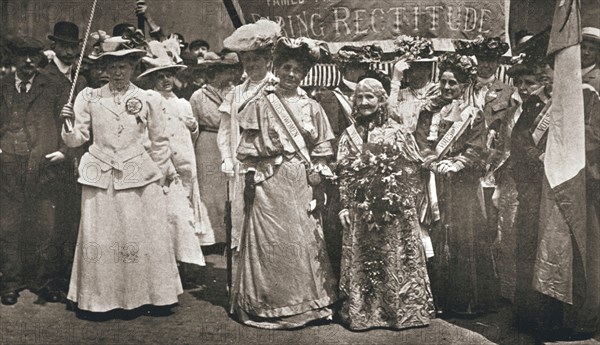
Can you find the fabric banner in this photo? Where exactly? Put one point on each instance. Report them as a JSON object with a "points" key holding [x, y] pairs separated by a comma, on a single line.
{"points": [[563, 204], [382, 20]]}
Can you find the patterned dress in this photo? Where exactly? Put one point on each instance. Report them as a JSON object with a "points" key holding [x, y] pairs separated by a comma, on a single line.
{"points": [[403, 299]]}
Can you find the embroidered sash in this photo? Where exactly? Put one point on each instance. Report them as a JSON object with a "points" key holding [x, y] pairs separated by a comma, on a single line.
{"points": [[354, 138], [543, 124], [457, 129], [283, 114]]}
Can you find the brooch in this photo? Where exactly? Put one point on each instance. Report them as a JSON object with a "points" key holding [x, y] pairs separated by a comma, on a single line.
{"points": [[133, 107]]}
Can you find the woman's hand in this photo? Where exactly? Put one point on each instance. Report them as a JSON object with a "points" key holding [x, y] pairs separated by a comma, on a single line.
{"points": [[67, 112], [227, 167], [344, 216], [449, 167]]}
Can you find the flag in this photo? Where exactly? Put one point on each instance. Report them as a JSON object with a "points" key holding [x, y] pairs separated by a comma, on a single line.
{"points": [[562, 231]]}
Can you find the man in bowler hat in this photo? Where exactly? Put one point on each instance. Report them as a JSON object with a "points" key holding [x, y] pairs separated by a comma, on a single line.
{"points": [[66, 45], [31, 153]]}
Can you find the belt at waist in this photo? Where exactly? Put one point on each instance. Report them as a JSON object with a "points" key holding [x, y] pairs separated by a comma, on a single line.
{"points": [[116, 159], [207, 129]]}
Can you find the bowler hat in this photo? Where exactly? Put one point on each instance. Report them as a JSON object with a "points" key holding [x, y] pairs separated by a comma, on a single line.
{"points": [[66, 32]]}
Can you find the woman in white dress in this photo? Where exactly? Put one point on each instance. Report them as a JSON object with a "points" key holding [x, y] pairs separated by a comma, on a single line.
{"points": [[124, 258], [188, 219]]}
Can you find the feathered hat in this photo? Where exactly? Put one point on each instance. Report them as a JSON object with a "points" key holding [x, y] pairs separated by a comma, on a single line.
{"points": [[414, 49], [366, 54], [304, 49], [484, 47], [128, 44], [256, 36], [213, 59], [165, 55]]}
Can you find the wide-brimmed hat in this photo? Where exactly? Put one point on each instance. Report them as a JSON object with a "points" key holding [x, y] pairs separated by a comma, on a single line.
{"points": [[591, 34], [414, 49], [165, 55], [23, 45], [366, 54], [115, 46], [492, 47], [212, 59], [66, 32], [256, 36], [304, 49]]}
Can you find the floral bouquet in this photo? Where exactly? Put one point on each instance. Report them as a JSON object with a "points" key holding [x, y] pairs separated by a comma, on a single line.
{"points": [[381, 185]]}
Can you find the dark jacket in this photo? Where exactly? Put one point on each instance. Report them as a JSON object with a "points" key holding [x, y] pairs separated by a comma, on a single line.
{"points": [[36, 114]]}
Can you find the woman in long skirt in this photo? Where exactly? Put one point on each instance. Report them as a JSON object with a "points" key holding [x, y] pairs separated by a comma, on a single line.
{"points": [[384, 281], [124, 256], [284, 277], [205, 105]]}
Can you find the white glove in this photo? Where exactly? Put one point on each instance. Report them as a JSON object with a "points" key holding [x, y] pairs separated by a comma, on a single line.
{"points": [[227, 167]]}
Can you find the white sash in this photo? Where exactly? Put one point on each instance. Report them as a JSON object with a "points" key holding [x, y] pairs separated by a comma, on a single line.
{"points": [[345, 103], [457, 129], [542, 127], [283, 115], [354, 138]]}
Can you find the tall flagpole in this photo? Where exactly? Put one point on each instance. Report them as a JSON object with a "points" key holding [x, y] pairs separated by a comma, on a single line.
{"points": [[68, 122]]}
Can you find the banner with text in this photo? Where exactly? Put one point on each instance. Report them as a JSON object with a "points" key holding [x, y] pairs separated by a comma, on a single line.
{"points": [[378, 20]]}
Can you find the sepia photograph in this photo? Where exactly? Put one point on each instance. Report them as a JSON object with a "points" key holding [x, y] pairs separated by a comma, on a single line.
{"points": [[331, 172]]}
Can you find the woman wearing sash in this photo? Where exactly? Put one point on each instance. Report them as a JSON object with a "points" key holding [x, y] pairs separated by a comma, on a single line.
{"points": [[252, 43], [220, 72], [283, 277], [384, 280], [451, 135]]}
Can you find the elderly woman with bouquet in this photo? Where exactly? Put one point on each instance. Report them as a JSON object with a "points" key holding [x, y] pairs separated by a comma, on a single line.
{"points": [[384, 280]]}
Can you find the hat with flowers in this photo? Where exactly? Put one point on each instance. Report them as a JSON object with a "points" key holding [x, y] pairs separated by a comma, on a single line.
{"points": [[482, 47]]}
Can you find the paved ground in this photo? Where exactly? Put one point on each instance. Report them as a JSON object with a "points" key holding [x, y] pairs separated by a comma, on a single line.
{"points": [[201, 318]]}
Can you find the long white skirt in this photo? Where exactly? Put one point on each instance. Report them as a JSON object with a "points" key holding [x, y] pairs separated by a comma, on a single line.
{"points": [[124, 256]]}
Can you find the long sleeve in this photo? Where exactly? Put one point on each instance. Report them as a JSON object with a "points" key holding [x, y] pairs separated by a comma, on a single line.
{"points": [[187, 115], [83, 121], [325, 136], [159, 143], [224, 134]]}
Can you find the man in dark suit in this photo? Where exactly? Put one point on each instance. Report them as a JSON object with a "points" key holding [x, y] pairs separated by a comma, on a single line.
{"points": [[66, 46], [30, 170]]}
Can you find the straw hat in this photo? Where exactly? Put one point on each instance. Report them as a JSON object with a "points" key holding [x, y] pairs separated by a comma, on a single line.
{"points": [[256, 36], [591, 34], [165, 55]]}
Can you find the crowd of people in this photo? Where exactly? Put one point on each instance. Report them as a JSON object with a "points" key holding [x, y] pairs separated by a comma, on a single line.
{"points": [[375, 203]]}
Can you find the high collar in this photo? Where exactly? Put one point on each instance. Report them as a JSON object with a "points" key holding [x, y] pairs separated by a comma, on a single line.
{"points": [[167, 94], [19, 80], [62, 67]]}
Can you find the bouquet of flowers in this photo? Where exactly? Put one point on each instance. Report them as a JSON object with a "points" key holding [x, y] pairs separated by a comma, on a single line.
{"points": [[381, 185]]}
